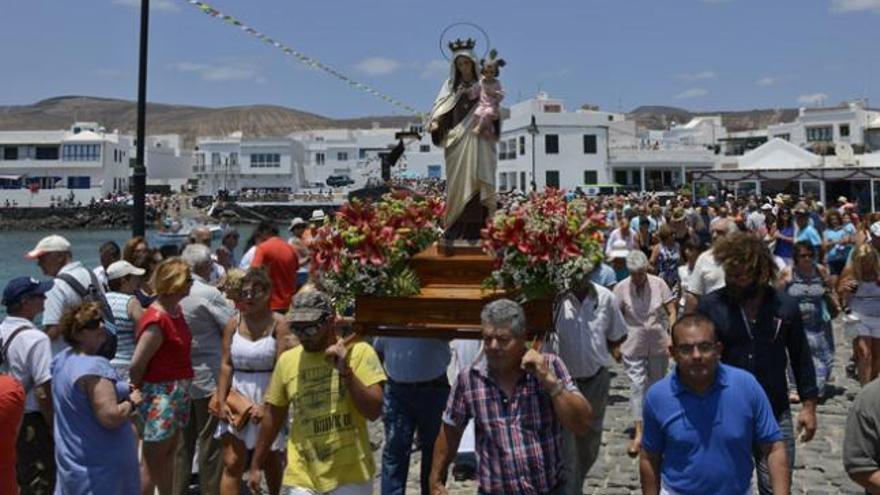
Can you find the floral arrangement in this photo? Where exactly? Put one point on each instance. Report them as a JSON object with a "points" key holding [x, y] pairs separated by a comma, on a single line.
{"points": [[543, 244], [364, 250]]}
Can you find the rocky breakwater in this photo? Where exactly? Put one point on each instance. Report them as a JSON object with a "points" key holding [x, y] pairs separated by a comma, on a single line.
{"points": [[85, 217]]}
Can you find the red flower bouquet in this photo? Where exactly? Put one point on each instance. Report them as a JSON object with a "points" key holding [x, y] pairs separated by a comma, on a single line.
{"points": [[364, 250], [541, 245]]}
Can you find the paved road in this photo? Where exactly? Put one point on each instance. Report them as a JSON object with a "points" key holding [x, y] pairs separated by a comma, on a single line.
{"points": [[818, 468]]}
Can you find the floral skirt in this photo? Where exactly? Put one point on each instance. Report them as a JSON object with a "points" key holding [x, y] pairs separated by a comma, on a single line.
{"points": [[165, 409]]}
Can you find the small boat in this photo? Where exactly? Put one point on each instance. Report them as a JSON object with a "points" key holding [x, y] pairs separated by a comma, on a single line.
{"points": [[178, 235]]}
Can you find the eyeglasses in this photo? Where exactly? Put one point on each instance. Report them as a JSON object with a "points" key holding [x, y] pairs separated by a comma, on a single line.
{"points": [[805, 255], [688, 349]]}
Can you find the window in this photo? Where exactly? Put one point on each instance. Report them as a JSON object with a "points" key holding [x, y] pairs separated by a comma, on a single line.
{"points": [[522, 145], [81, 152], [552, 178], [522, 181], [362, 153], [342, 156], [589, 145], [265, 160], [844, 130], [551, 144], [435, 171], [47, 153], [215, 159], [819, 134], [79, 182], [591, 177], [552, 108], [233, 158], [200, 159], [502, 150], [785, 136], [621, 177], [10, 153], [511, 149], [425, 148], [319, 158]]}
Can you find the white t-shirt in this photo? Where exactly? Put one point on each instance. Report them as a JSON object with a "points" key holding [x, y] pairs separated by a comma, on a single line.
{"points": [[101, 273], [584, 329], [63, 296], [708, 275], [247, 258], [29, 357]]}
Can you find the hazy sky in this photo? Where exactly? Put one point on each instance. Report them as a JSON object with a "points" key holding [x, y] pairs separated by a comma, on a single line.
{"points": [[619, 54]]}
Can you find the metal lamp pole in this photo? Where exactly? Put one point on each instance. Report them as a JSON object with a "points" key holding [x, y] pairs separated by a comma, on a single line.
{"points": [[139, 174], [532, 129]]}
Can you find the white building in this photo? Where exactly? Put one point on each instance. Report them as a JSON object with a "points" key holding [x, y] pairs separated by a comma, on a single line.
{"points": [[235, 164], [85, 161], [595, 147], [850, 126], [356, 153], [569, 148]]}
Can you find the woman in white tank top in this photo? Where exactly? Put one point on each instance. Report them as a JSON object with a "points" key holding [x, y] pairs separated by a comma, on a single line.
{"points": [[252, 342]]}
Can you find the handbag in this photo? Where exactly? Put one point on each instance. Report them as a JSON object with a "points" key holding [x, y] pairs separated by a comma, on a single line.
{"points": [[240, 408]]}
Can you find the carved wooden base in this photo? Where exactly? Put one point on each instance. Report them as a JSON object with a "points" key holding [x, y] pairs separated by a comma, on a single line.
{"points": [[450, 301]]}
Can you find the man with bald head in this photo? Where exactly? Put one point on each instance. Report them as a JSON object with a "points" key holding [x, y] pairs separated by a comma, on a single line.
{"points": [[708, 275], [202, 235]]}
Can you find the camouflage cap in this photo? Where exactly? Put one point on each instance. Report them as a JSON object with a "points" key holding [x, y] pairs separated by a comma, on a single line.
{"points": [[309, 306]]}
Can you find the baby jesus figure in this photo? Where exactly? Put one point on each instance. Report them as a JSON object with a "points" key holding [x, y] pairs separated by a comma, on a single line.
{"points": [[490, 94]]}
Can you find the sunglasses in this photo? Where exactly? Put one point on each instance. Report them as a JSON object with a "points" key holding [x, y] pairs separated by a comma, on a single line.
{"points": [[251, 294], [92, 324], [308, 329]]}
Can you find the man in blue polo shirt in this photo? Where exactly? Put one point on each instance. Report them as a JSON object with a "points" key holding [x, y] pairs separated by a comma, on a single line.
{"points": [[703, 422]]}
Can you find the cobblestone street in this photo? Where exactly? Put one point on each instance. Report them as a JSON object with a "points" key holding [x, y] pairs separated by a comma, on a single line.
{"points": [[818, 467]]}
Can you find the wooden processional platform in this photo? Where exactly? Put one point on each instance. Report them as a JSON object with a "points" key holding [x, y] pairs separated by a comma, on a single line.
{"points": [[449, 303]]}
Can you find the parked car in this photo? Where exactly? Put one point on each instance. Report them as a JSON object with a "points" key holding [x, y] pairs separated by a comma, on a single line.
{"points": [[339, 181]]}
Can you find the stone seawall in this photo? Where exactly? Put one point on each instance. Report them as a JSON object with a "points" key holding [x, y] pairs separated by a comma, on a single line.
{"points": [[98, 217]]}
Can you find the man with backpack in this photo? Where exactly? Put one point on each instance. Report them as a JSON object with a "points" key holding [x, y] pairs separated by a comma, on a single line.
{"points": [[26, 355], [74, 284]]}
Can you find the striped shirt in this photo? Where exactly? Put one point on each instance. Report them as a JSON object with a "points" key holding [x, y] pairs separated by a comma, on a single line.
{"points": [[118, 302], [518, 438]]}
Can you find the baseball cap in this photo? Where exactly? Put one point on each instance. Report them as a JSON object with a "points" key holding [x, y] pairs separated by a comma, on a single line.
{"points": [[21, 287], [766, 206], [49, 244], [295, 222], [875, 230], [122, 268], [618, 250], [309, 306]]}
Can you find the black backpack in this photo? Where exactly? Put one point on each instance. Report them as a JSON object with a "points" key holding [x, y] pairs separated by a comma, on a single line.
{"points": [[93, 293]]}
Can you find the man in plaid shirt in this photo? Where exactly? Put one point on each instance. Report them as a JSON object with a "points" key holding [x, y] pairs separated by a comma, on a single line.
{"points": [[519, 400]]}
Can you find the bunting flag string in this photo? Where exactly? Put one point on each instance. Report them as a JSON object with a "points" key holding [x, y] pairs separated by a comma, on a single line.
{"points": [[301, 57]]}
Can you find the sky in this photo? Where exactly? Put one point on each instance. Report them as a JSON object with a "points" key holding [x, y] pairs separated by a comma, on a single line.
{"points": [[618, 54]]}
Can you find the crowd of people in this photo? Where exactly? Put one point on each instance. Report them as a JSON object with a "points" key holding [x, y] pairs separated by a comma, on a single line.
{"points": [[229, 362]]}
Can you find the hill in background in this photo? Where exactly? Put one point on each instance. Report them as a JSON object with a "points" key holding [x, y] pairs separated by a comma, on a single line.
{"points": [[273, 120]]}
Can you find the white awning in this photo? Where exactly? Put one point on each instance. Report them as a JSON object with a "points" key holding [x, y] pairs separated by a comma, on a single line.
{"points": [[10, 177]]}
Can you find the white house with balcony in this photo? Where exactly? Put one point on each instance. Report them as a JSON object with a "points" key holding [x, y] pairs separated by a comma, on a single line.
{"points": [[236, 164], [84, 161], [849, 128], [357, 153]]}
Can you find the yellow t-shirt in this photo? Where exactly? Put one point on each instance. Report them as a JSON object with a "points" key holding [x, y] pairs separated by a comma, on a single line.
{"points": [[328, 444]]}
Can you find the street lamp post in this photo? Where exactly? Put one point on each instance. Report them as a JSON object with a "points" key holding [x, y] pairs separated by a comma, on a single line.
{"points": [[532, 129], [139, 174]]}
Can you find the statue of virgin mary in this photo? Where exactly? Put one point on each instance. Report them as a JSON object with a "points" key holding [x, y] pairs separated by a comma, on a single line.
{"points": [[470, 157]]}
